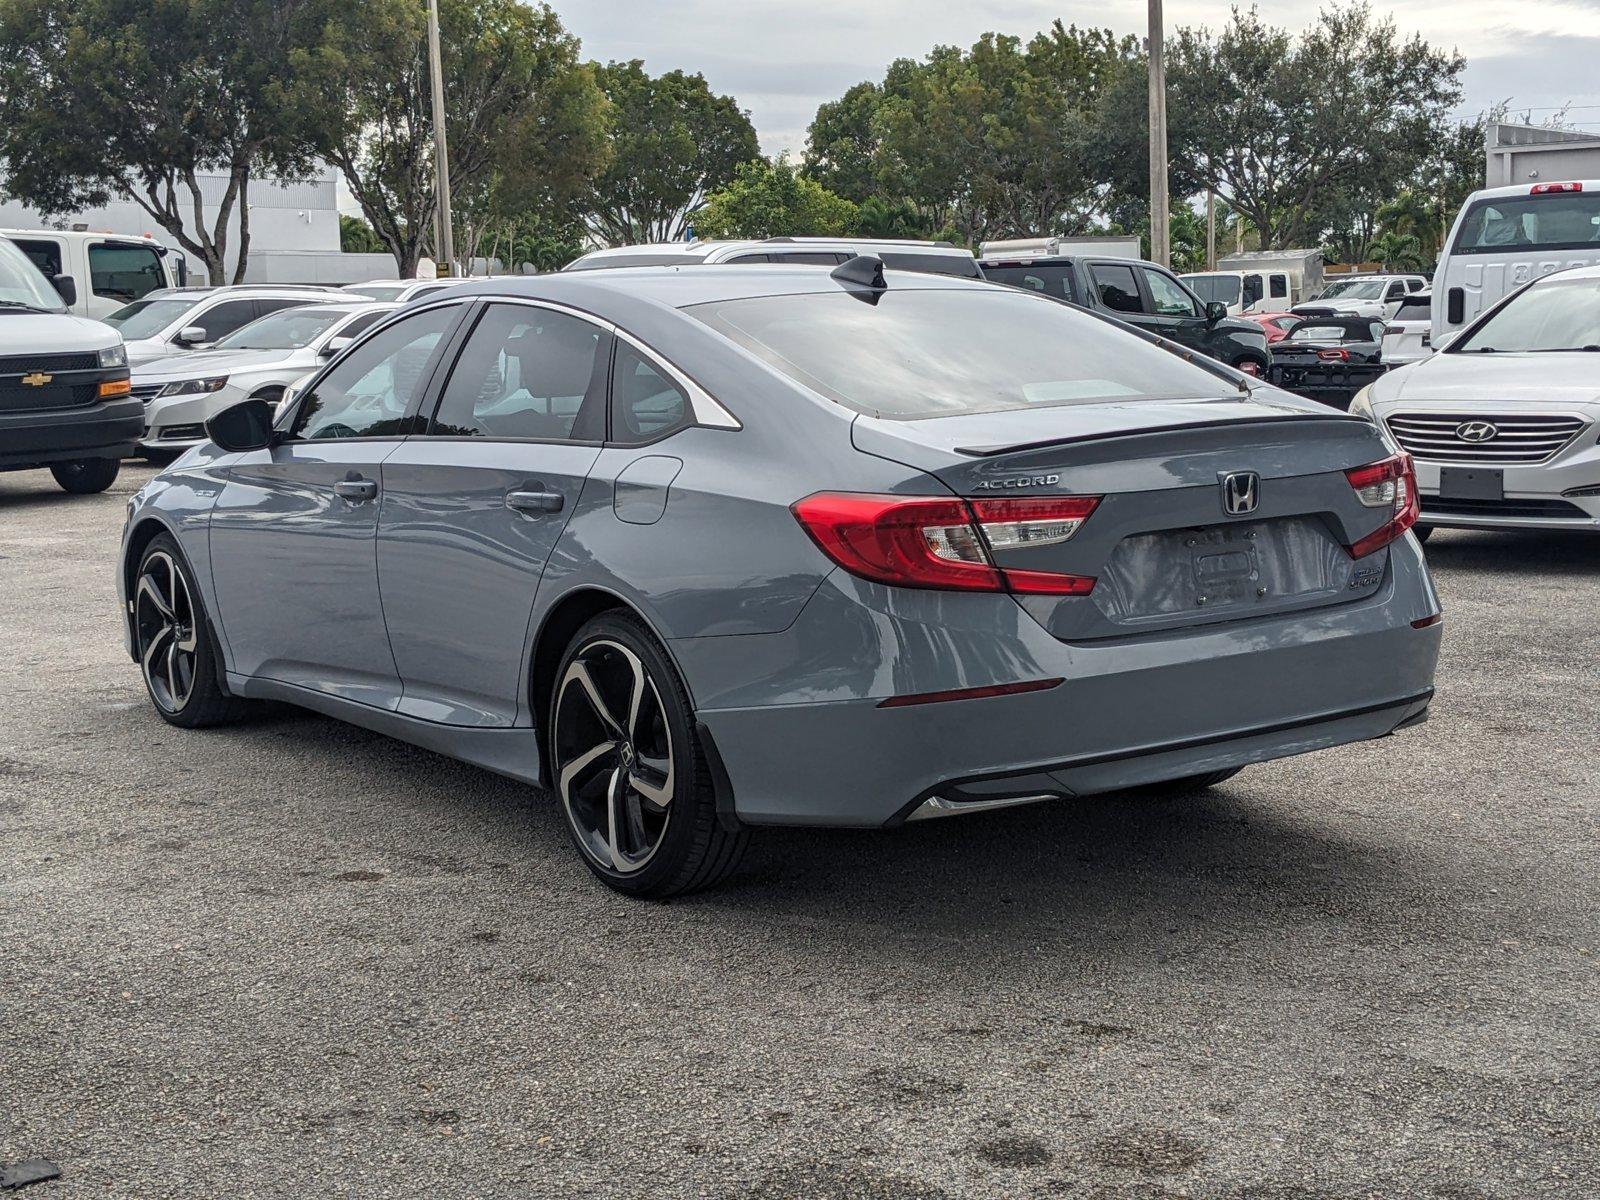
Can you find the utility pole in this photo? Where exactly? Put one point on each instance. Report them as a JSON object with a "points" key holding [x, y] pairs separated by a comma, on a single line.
{"points": [[1211, 231], [1160, 230], [446, 249]]}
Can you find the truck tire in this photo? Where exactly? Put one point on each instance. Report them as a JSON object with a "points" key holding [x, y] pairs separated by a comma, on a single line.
{"points": [[86, 476]]}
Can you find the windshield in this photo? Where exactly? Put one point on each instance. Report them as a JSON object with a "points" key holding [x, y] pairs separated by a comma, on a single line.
{"points": [[913, 352], [21, 283], [1214, 289], [1558, 221], [1356, 289], [379, 291], [288, 329], [146, 318], [1552, 315]]}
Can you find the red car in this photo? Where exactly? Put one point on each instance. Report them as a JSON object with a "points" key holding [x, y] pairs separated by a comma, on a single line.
{"points": [[1275, 325]]}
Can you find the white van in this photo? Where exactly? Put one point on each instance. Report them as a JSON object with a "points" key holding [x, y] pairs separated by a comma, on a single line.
{"points": [[1508, 236], [107, 269]]}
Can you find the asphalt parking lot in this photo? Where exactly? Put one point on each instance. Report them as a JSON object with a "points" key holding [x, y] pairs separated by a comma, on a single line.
{"points": [[293, 958]]}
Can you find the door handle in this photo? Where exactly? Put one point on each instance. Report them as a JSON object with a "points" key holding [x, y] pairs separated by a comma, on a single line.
{"points": [[535, 503], [356, 490]]}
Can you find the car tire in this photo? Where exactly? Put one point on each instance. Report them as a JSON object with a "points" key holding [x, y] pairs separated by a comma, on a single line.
{"points": [[173, 641], [628, 769], [86, 476], [1186, 784]]}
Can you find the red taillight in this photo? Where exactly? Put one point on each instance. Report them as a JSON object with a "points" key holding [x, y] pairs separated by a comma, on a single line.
{"points": [[1546, 189], [1392, 485], [927, 542], [1334, 355]]}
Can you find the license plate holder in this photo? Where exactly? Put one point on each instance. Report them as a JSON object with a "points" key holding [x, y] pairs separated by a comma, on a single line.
{"points": [[1472, 483]]}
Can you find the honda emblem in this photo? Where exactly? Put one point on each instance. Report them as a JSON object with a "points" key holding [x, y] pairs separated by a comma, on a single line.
{"points": [[1241, 492]]}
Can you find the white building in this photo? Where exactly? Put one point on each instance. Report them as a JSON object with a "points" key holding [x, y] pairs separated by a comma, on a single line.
{"points": [[294, 230], [1531, 153]]}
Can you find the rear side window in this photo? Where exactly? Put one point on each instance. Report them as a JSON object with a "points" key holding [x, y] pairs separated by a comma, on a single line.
{"points": [[222, 319], [1559, 221], [45, 255], [1118, 291], [125, 273], [527, 373], [645, 403], [931, 352]]}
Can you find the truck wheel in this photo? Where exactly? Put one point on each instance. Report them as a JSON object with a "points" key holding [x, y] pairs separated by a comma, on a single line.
{"points": [[85, 476]]}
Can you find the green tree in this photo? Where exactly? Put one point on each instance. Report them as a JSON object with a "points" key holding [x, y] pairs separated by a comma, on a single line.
{"points": [[672, 142], [144, 98], [773, 199], [843, 144], [525, 120], [356, 236], [1396, 251], [1305, 136]]}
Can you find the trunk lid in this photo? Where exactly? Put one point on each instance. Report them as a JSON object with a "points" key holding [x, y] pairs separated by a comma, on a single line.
{"points": [[1164, 550]]}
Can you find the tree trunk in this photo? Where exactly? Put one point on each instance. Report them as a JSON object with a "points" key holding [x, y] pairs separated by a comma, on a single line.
{"points": [[244, 228]]}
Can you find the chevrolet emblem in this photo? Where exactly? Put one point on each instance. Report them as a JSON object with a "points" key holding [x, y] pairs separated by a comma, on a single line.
{"points": [[37, 379]]}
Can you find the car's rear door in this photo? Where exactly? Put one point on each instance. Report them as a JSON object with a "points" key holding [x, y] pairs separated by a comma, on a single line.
{"points": [[293, 529], [474, 504]]}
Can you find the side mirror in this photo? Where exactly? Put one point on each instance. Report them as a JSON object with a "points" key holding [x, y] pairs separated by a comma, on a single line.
{"points": [[67, 287], [243, 426], [335, 346], [192, 335], [1216, 311]]}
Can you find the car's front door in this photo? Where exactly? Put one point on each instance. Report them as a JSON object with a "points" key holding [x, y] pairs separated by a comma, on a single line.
{"points": [[473, 506], [293, 529]]}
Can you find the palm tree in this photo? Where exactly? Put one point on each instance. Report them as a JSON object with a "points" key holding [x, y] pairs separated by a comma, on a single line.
{"points": [[1396, 251], [1411, 212]]}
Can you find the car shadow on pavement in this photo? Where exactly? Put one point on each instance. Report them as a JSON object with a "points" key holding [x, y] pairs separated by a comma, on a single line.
{"points": [[1515, 552]]}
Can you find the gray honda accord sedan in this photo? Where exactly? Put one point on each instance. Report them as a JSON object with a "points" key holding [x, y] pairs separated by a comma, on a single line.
{"points": [[700, 550]]}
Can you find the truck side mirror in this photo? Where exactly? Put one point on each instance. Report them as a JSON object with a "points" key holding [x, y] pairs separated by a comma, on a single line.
{"points": [[67, 287]]}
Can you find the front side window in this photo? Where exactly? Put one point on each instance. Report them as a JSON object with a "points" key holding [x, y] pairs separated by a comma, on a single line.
{"points": [[222, 319], [927, 352], [1118, 291], [1553, 315], [290, 329], [370, 391], [1168, 296], [21, 283], [645, 403], [1396, 291], [44, 254], [1252, 289], [526, 373], [124, 273]]}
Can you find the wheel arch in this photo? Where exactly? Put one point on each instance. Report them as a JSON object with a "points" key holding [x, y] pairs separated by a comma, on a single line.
{"points": [[565, 617], [145, 530]]}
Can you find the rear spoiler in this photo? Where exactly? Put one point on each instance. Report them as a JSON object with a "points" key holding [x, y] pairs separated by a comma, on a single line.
{"points": [[1145, 431]]}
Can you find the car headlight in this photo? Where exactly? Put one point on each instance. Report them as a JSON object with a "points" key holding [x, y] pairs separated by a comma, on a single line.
{"points": [[194, 387], [114, 356], [1361, 404]]}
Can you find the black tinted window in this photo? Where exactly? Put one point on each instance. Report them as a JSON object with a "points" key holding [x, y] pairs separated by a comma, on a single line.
{"points": [[222, 319], [1559, 221], [1118, 291], [814, 258], [1415, 308], [525, 373], [1278, 285], [919, 352], [1052, 279], [645, 403], [370, 390], [44, 255], [124, 273], [961, 265]]}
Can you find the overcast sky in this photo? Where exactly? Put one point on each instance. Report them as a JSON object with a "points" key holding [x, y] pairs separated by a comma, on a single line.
{"points": [[781, 58]]}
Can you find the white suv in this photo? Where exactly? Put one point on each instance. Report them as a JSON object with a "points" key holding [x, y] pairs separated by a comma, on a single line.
{"points": [[1407, 338]]}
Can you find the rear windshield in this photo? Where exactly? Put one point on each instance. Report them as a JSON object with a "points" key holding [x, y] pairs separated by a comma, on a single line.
{"points": [[379, 291], [1214, 289], [1355, 289], [1336, 331], [146, 318], [1415, 308], [930, 353], [1550, 315], [1509, 224], [1053, 279]]}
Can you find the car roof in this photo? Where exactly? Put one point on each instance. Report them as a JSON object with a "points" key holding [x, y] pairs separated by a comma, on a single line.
{"points": [[676, 287], [1526, 189]]}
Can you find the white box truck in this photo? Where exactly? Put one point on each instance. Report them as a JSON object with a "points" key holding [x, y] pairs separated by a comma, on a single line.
{"points": [[1260, 281]]}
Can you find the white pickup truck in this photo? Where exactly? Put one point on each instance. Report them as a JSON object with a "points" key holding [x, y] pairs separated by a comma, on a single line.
{"points": [[107, 270]]}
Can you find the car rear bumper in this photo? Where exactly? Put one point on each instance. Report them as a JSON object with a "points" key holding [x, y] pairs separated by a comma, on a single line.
{"points": [[39, 438], [798, 722]]}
